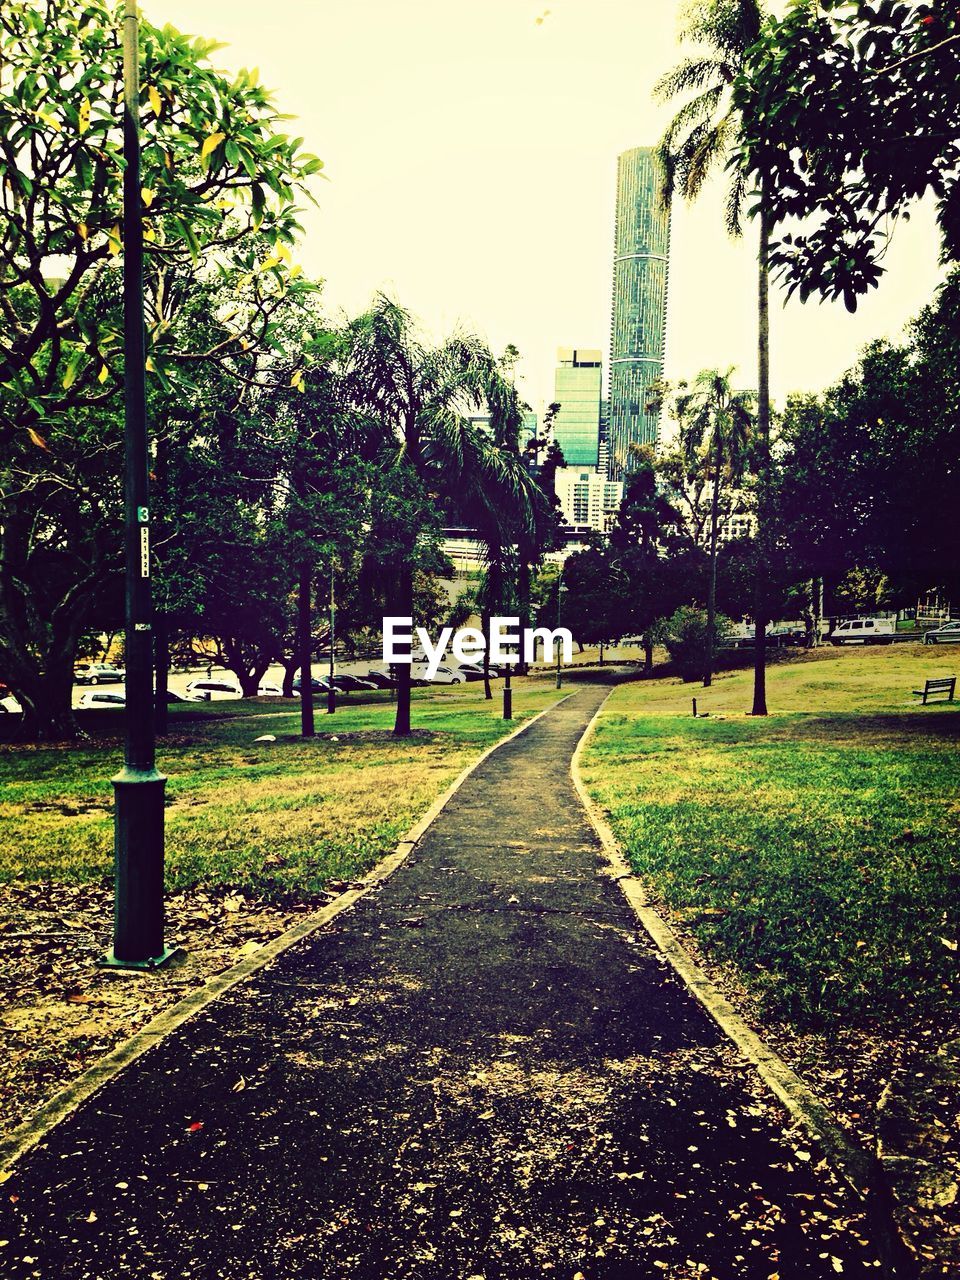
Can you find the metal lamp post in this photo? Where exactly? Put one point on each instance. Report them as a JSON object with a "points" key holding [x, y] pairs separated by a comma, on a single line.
{"points": [[560, 590], [332, 689], [138, 824]]}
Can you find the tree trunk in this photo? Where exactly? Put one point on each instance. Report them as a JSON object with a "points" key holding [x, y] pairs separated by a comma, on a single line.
{"points": [[763, 427], [46, 701], [250, 678], [647, 653], [289, 672], [304, 650], [401, 725], [523, 593], [712, 584], [161, 663], [485, 626], [38, 666]]}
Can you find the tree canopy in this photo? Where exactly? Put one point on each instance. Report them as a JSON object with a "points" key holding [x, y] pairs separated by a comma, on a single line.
{"points": [[852, 114], [215, 168]]}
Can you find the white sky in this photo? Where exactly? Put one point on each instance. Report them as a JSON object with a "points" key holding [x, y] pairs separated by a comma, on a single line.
{"points": [[472, 162]]}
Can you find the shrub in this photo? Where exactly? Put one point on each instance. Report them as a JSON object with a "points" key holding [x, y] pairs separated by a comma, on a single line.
{"points": [[685, 637]]}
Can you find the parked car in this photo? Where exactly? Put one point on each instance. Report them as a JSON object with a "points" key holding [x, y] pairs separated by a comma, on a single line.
{"points": [[98, 673], [474, 671], [267, 689], [788, 633], [382, 679], [863, 631], [320, 684], [352, 684], [742, 635], [102, 698], [949, 633], [442, 675], [211, 691]]}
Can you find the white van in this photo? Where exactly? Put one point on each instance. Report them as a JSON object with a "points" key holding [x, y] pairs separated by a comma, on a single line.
{"points": [[863, 631], [211, 690]]}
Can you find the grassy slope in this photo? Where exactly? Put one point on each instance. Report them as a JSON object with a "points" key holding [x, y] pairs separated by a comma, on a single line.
{"points": [[272, 818], [818, 848]]}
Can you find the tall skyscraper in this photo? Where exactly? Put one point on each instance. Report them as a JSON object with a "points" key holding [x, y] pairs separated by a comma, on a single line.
{"points": [[576, 428], [639, 319]]}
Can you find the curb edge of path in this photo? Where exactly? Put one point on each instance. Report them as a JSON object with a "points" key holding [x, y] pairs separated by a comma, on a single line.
{"points": [[67, 1100], [852, 1161]]}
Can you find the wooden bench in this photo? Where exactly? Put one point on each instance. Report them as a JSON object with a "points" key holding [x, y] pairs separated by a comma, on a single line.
{"points": [[945, 684]]}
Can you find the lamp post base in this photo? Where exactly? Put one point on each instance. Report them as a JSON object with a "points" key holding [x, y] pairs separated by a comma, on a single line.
{"points": [[169, 954]]}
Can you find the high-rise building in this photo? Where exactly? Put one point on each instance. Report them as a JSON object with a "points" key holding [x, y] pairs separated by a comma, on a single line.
{"points": [[639, 319], [603, 456], [588, 498], [576, 428]]}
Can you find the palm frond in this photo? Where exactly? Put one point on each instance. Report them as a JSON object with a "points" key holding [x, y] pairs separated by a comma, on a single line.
{"points": [[701, 151], [691, 74], [733, 204], [698, 111]]}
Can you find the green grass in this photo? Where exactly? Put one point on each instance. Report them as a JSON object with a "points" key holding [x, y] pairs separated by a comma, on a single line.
{"points": [[276, 819], [816, 849]]}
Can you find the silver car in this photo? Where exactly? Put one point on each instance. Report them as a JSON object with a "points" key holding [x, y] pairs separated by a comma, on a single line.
{"points": [[101, 698], [949, 633]]}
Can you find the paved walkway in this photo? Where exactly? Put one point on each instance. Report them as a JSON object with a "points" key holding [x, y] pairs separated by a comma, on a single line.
{"points": [[481, 1071]]}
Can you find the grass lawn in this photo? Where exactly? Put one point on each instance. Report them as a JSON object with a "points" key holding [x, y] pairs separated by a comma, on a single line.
{"points": [[817, 849], [276, 819]]}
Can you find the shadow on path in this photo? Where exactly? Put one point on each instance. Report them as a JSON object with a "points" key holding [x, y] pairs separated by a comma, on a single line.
{"points": [[481, 1071]]}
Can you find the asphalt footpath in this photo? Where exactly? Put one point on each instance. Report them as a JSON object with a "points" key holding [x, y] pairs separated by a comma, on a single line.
{"points": [[482, 1071]]}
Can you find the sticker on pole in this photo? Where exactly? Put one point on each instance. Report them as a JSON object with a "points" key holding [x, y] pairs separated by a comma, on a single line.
{"points": [[144, 552]]}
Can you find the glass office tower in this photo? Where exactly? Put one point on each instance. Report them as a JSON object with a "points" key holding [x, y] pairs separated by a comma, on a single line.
{"points": [[576, 428], [639, 320]]}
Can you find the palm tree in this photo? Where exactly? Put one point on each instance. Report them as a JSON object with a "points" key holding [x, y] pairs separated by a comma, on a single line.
{"points": [[703, 135], [418, 397], [514, 537], [715, 426]]}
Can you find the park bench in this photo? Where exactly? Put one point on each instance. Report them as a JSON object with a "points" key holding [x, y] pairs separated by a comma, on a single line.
{"points": [[944, 684]]}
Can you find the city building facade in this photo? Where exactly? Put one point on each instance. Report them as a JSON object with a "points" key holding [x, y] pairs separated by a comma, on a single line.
{"points": [[587, 498], [639, 311], [577, 385]]}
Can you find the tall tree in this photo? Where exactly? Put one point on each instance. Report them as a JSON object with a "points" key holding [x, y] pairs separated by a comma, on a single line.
{"points": [[418, 396], [219, 186], [715, 429], [706, 133], [653, 564]]}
